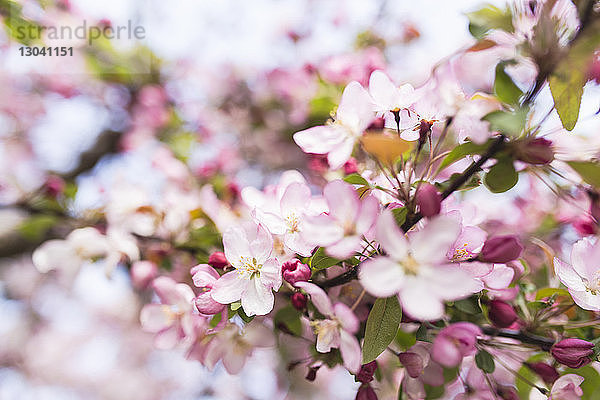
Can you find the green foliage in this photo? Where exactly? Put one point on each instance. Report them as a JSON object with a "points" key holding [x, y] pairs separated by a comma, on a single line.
{"points": [[488, 18], [181, 143], [550, 292], [320, 260], [588, 170], [36, 227], [461, 151], [511, 123], [472, 183], [485, 361], [569, 77], [356, 179], [504, 87], [400, 215], [382, 326], [17, 27], [501, 176], [290, 318], [405, 340]]}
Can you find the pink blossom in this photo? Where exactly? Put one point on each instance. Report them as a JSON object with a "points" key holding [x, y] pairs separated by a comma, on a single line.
{"points": [[567, 387], [204, 277], [172, 319], [417, 269], [354, 114], [582, 276], [349, 218], [455, 342], [337, 331], [248, 249]]}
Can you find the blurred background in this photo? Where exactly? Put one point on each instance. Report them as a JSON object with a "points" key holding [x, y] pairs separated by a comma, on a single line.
{"points": [[213, 91]]}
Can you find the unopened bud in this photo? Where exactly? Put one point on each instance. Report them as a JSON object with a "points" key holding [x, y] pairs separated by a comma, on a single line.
{"points": [[501, 249], [377, 125], [311, 375], [54, 185], [366, 392], [217, 260], [547, 372], [537, 151], [351, 166], [413, 363], [507, 393], [299, 301], [501, 314], [366, 372], [573, 352], [142, 273], [428, 200], [294, 271]]}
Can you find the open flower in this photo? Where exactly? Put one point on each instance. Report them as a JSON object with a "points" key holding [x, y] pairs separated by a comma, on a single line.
{"points": [[567, 387], [337, 331], [337, 139], [172, 319], [417, 269], [348, 220], [455, 342], [390, 100], [204, 277], [582, 276], [256, 274]]}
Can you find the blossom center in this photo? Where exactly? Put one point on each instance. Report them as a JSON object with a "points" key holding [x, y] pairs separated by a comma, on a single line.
{"points": [[323, 327], [293, 223], [410, 265], [249, 267], [461, 253]]}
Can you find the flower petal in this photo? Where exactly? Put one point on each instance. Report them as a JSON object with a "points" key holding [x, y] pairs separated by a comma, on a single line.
{"points": [[229, 288], [390, 237], [346, 316], [258, 299], [430, 245], [350, 349], [381, 276], [318, 297]]}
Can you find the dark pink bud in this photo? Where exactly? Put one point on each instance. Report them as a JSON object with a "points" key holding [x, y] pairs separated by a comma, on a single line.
{"points": [[507, 393], [501, 314], [294, 271], [299, 301], [311, 375], [537, 151], [428, 200], [501, 249], [413, 363], [366, 392], [585, 226], [573, 352], [217, 260], [54, 186], [351, 166], [545, 371], [377, 125], [366, 372]]}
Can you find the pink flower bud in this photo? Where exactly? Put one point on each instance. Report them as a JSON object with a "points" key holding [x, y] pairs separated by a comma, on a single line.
{"points": [[501, 249], [299, 301], [54, 186], [455, 342], [351, 166], [428, 200], [537, 151], [377, 125], [142, 273], [294, 271], [573, 352], [507, 393], [366, 392], [366, 372], [501, 314], [217, 260], [545, 371]]}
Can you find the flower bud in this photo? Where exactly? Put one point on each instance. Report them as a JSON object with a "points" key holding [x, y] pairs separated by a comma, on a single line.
{"points": [[294, 271], [501, 249], [366, 392], [537, 151], [299, 301], [311, 375], [573, 352], [413, 363], [366, 372], [501, 314], [547, 372], [54, 185], [217, 260], [428, 200], [377, 125], [142, 273], [507, 393], [351, 166]]}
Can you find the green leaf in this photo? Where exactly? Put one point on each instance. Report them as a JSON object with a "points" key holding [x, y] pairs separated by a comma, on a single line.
{"points": [[488, 18], [356, 179], [588, 170], [524, 388], [433, 392], [289, 317], [468, 306], [320, 260], [244, 316], [501, 176], [382, 326], [400, 215], [509, 122], [405, 340], [461, 151], [36, 227], [504, 87], [485, 361], [549, 292], [569, 77]]}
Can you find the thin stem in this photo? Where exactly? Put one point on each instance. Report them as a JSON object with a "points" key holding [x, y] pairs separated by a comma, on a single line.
{"points": [[360, 297]]}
